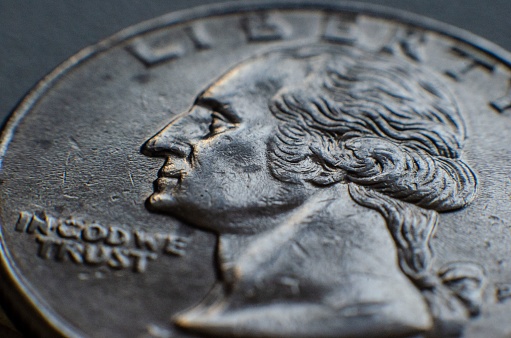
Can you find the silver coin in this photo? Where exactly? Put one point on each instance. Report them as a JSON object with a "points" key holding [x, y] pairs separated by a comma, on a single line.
{"points": [[277, 169]]}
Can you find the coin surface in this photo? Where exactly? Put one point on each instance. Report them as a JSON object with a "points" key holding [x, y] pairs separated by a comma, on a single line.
{"points": [[294, 169]]}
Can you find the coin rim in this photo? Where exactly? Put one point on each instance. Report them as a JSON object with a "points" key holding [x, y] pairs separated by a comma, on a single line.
{"points": [[31, 313]]}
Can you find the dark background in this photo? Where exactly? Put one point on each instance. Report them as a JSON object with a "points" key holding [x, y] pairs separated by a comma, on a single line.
{"points": [[37, 35]]}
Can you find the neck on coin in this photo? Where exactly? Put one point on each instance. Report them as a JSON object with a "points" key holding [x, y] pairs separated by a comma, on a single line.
{"points": [[328, 266]]}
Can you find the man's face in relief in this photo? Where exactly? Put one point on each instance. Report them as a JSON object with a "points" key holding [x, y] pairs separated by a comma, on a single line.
{"points": [[216, 173]]}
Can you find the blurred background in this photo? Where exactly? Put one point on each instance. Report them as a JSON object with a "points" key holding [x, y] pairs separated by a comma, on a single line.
{"points": [[36, 36]]}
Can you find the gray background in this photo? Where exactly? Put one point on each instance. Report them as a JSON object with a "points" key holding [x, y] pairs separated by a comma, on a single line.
{"points": [[37, 35]]}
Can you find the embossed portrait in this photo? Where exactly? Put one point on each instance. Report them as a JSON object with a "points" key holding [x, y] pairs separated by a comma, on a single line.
{"points": [[324, 171]]}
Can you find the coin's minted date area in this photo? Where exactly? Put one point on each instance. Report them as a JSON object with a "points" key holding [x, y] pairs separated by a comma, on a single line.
{"points": [[268, 170]]}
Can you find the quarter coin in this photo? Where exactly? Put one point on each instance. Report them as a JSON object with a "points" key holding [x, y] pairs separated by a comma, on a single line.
{"points": [[269, 169]]}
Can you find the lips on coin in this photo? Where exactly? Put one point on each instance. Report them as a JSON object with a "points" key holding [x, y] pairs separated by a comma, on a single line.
{"points": [[165, 182]]}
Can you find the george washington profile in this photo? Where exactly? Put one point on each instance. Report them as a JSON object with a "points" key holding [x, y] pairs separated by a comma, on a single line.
{"points": [[323, 170]]}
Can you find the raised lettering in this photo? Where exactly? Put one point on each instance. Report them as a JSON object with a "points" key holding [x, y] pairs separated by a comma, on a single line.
{"points": [[93, 244], [265, 27], [117, 236], [94, 233], [39, 224], [471, 60], [176, 245], [96, 254], [410, 42], [119, 260], [71, 250], [23, 221], [70, 229], [199, 36], [339, 28], [141, 258], [152, 53], [47, 246], [153, 242]]}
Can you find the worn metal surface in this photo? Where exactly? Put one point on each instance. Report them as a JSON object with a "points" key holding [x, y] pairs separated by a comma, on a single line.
{"points": [[328, 170]]}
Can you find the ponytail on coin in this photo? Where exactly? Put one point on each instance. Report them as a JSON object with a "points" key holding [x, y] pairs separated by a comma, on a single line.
{"points": [[394, 134]]}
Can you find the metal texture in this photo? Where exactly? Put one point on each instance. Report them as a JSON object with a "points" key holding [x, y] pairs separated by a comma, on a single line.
{"points": [[323, 170]]}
